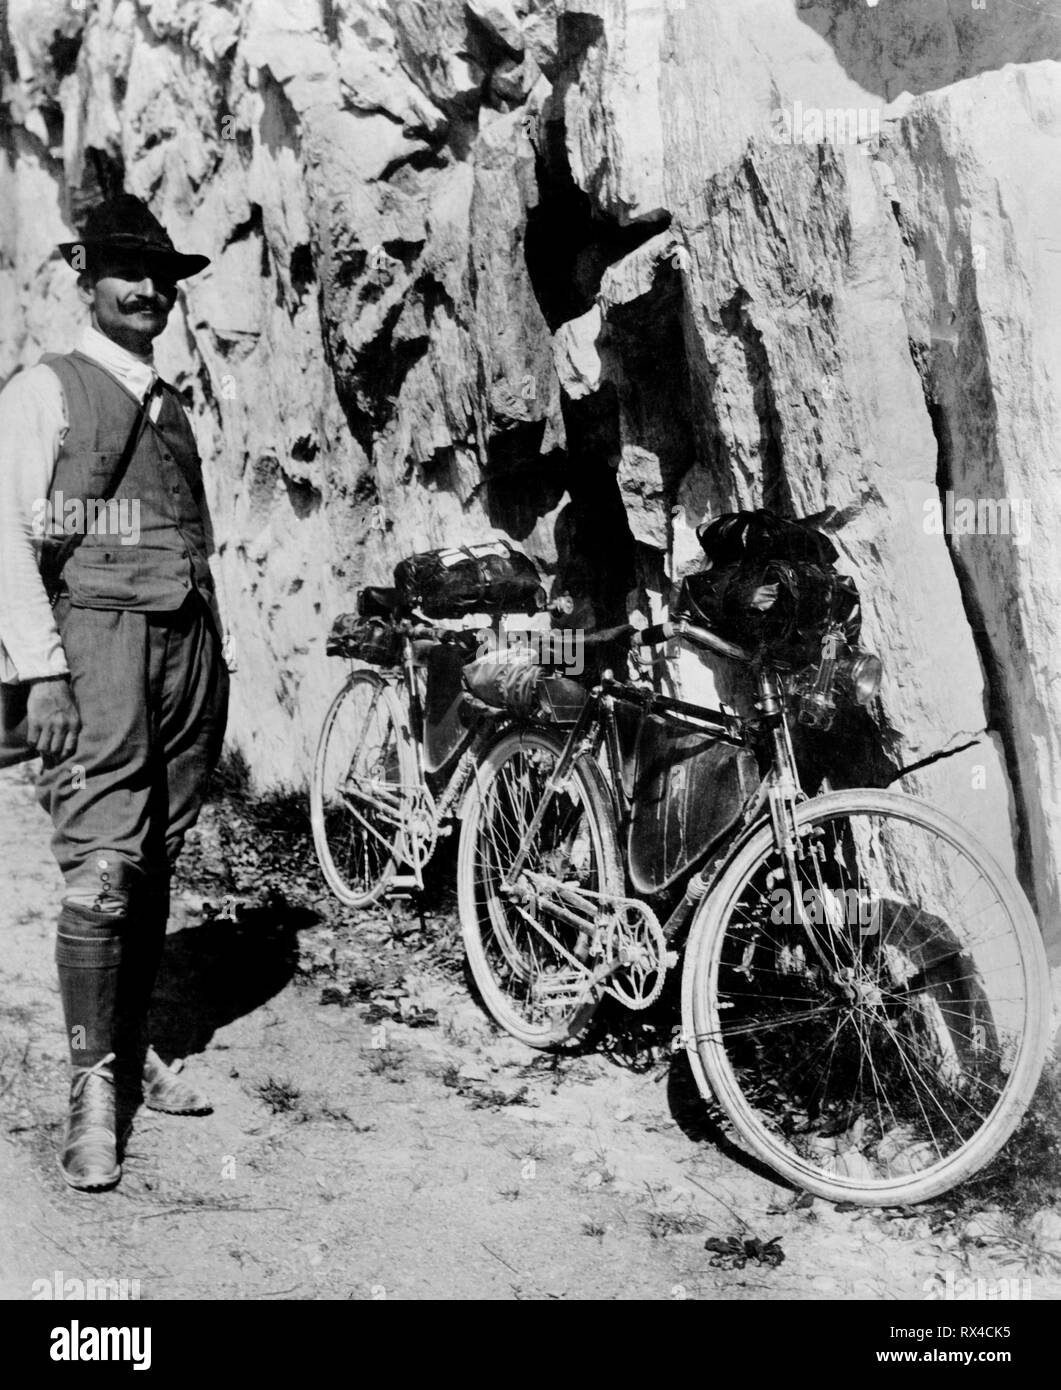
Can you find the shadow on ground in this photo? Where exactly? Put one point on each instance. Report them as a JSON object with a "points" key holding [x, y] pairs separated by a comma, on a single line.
{"points": [[701, 1123], [216, 972]]}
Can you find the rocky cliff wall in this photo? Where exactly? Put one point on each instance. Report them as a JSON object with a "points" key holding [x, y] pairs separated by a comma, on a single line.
{"points": [[578, 273]]}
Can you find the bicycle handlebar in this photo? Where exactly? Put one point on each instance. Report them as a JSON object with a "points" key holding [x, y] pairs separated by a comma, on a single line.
{"points": [[421, 632], [659, 633], [598, 636], [654, 636]]}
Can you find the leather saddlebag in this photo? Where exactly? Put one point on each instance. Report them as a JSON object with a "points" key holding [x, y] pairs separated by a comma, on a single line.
{"points": [[689, 789]]}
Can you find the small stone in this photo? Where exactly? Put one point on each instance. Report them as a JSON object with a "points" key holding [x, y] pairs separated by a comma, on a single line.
{"points": [[1045, 1226], [982, 1226], [852, 1164], [474, 1071]]}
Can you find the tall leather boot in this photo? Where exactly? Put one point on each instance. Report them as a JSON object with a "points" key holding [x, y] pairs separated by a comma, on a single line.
{"points": [[142, 1070], [88, 950], [143, 941]]}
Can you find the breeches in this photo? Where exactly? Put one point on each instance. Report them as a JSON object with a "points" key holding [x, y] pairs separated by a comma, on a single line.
{"points": [[152, 693]]}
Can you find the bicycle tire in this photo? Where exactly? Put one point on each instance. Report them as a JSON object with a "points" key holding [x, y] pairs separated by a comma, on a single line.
{"points": [[961, 1045], [499, 947], [359, 845]]}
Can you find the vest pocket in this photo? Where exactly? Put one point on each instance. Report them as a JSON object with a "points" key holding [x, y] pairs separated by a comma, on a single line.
{"points": [[95, 470], [77, 479], [99, 577]]}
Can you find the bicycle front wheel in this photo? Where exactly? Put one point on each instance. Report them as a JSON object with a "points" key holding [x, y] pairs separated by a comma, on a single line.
{"points": [[363, 774], [532, 943], [878, 1040]]}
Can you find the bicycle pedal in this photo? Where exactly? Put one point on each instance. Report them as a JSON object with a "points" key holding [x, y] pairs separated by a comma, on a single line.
{"points": [[403, 886]]}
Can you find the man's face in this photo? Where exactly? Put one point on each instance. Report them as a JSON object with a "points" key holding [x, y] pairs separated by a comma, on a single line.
{"points": [[131, 298]]}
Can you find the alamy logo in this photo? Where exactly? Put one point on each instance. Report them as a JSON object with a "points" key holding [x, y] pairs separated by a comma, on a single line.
{"points": [[562, 647], [77, 1343], [81, 516], [811, 125], [950, 1288], [59, 1287], [982, 516], [826, 907]]}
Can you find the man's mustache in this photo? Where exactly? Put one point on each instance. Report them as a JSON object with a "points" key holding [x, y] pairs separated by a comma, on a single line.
{"points": [[139, 306]]}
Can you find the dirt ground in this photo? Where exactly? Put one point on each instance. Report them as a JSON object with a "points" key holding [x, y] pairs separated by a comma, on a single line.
{"points": [[375, 1137]]}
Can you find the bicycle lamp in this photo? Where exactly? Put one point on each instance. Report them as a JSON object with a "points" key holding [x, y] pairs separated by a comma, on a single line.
{"points": [[864, 673]]}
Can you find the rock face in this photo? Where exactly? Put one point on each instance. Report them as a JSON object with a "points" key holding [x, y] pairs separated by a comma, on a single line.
{"points": [[579, 273]]}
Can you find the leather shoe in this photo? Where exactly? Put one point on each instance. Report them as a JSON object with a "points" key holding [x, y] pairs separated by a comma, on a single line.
{"points": [[164, 1090], [89, 1156]]}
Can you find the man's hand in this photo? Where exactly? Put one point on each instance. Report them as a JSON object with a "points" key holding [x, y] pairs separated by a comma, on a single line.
{"points": [[52, 723]]}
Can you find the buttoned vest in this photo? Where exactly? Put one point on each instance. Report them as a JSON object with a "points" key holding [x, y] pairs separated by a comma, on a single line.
{"points": [[148, 549]]}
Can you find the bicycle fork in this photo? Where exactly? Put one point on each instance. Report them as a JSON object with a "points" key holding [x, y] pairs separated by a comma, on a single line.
{"points": [[783, 795]]}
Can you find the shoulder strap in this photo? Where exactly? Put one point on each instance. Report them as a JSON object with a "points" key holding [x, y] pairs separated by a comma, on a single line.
{"points": [[69, 544], [195, 483]]}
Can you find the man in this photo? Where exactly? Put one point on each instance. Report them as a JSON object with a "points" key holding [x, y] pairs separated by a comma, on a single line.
{"points": [[128, 690]]}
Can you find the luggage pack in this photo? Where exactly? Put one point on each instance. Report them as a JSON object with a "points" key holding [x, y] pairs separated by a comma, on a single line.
{"points": [[507, 682], [492, 577], [750, 551], [519, 683], [374, 640]]}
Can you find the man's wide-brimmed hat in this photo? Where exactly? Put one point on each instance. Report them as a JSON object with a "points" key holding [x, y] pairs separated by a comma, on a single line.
{"points": [[126, 224]]}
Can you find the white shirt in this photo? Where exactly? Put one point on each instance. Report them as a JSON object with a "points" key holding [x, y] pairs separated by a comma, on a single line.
{"points": [[33, 425]]}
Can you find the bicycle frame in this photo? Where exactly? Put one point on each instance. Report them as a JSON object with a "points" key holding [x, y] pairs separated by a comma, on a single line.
{"points": [[596, 730], [775, 799], [418, 799]]}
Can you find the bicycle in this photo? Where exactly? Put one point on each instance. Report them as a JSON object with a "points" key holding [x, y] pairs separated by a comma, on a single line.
{"points": [[378, 802], [864, 990], [389, 773]]}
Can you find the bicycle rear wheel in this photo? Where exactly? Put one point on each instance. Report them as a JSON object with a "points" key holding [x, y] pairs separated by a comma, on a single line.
{"points": [[530, 961], [364, 774], [878, 1041]]}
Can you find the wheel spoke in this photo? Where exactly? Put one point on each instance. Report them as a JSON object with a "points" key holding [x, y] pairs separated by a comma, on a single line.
{"points": [[359, 796], [868, 1054], [526, 949]]}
